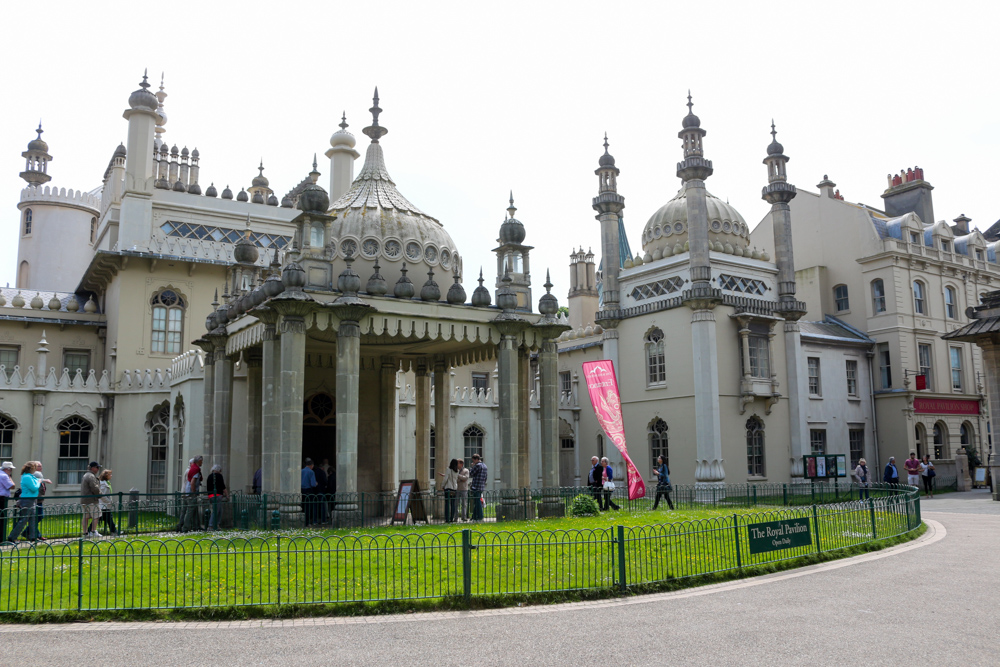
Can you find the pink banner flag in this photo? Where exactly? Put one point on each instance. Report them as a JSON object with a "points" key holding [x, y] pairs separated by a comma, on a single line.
{"points": [[603, 389]]}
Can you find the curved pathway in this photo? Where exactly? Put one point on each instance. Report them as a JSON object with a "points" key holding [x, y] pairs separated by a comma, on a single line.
{"points": [[939, 594]]}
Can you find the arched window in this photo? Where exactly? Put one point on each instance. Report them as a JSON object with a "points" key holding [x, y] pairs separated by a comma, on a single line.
{"points": [[22, 275], [940, 440], [965, 434], [93, 229], [878, 296], [473, 437], [168, 322], [27, 221], [755, 447], [7, 428], [920, 439], [950, 303], [656, 366], [658, 441], [318, 411], [840, 298], [157, 425], [74, 449], [919, 302]]}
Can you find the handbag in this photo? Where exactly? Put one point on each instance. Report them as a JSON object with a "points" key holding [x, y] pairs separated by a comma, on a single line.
{"points": [[609, 485], [932, 473]]}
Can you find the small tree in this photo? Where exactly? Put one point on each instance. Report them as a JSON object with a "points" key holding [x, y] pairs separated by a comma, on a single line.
{"points": [[584, 505]]}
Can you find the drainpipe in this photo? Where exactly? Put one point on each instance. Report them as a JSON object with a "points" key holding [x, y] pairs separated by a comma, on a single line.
{"points": [[871, 392]]}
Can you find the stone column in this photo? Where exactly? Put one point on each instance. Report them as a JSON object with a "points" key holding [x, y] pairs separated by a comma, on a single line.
{"points": [[253, 360], [387, 429], [709, 471], [422, 455], [292, 380], [795, 371], [270, 410], [442, 413], [507, 389], [523, 417], [348, 377], [223, 405], [548, 401], [208, 392]]}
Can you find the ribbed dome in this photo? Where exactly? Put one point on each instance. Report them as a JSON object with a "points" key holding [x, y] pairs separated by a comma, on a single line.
{"points": [[38, 144], [142, 98], [512, 231], [260, 180], [669, 225], [775, 148], [343, 138]]}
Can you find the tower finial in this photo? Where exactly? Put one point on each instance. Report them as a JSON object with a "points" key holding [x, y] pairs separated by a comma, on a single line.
{"points": [[774, 133], [39, 130], [261, 167], [375, 131], [343, 121], [315, 164], [145, 84], [605, 143], [511, 209], [690, 103], [548, 282]]}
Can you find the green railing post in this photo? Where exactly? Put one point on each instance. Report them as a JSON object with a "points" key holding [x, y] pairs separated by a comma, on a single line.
{"points": [[121, 497], [278, 568], [816, 528], [275, 520], [755, 495], [262, 513], [736, 534], [467, 564], [244, 519], [812, 486], [871, 510], [79, 574], [784, 494], [622, 583]]}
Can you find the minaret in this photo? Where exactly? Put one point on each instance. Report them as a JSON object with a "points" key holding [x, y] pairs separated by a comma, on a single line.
{"points": [[136, 223], [583, 297], [37, 158], [609, 205], [778, 192], [342, 156], [513, 260], [701, 298], [161, 95]]}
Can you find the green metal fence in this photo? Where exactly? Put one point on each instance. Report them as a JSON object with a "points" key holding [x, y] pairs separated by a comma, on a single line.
{"points": [[280, 569]]}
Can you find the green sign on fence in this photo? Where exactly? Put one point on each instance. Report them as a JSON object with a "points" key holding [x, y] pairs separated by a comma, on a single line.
{"points": [[775, 535]]}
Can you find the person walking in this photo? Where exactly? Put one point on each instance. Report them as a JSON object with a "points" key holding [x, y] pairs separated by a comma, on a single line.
{"points": [[864, 479], [912, 466], [477, 484], [39, 504], [215, 486], [322, 491], [608, 485], [90, 492], [26, 504], [890, 475], [192, 486], [928, 474], [450, 486], [309, 488], [462, 491], [107, 503], [594, 480], [6, 488], [663, 487], [257, 478]]}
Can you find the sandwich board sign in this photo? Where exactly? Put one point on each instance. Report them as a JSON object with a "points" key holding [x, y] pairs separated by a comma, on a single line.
{"points": [[408, 499]]}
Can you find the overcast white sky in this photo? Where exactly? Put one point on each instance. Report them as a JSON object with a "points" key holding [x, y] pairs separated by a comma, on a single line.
{"points": [[481, 98]]}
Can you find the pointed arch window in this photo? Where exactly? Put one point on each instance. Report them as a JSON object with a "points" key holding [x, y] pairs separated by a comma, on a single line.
{"points": [[658, 445], [7, 428], [157, 426], [656, 366], [168, 322], [93, 229], [74, 449], [27, 221], [755, 447], [473, 437]]}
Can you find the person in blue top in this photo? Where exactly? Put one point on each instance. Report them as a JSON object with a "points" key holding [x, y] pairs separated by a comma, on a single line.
{"points": [[662, 482], [30, 485], [891, 475], [310, 487], [608, 476]]}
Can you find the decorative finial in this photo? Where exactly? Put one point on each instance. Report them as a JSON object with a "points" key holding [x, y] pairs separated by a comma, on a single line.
{"points": [[343, 121], [375, 131], [548, 282], [605, 143], [161, 80], [511, 209], [145, 83], [261, 167], [314, 162], [248, 224], [774, 132], [480, 276], [215, 300], [39, 130], [690, 103]]}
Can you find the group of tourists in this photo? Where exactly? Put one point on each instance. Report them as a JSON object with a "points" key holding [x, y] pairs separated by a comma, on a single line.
{"points": [[189, 515], [96, 501], [916, 470], [601, 480], [456, 491]]}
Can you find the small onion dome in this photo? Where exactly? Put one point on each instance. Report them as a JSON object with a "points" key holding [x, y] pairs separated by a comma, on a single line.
{"points": [[174, 151], [227, 193], [257, 297], [314, 199], [272, 201], [211, 322], [349, 282], [286, 202], [404, 286], [258, 197], [36, 301], [481, 296], [775, 148], [430, 291], [194, 189], [142, 98], [195, 153], [245, 251], [38, 144], [260, 180], [456, 293], [548, 305], [243, 196], [120, 151], [691, 120], [211, 191], [511, 231], [342, 137], [55, 303], [72, 305], [185, 152], [18, 300], [179, 186], [90, 306], [376, 284], [293, 277], [273, 286], [607, 160], [506, 298]]}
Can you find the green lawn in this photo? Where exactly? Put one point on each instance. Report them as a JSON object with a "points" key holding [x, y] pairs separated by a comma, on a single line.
{"points": [[410, 562]]}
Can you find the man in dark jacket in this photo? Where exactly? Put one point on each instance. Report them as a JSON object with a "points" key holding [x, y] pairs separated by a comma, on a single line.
{"points": [[891, 475], [321, 490]]}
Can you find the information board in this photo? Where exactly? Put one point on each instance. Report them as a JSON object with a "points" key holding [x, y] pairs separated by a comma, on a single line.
{"points": [[979, 477], [824, 466], [408, 499], [776, 535]]}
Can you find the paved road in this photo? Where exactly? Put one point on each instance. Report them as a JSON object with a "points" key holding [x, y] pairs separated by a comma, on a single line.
{"points": [[931, 602]]}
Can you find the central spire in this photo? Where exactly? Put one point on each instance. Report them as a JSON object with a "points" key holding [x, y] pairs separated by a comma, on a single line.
{"points": [[375, 131]]}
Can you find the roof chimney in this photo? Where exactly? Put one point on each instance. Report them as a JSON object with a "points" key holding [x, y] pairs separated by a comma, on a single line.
{"points": [[908, 192], [961, 227]]}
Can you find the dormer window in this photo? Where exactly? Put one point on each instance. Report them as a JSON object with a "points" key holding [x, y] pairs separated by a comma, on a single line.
{"points": [[915, 238], [945, 246], [979, 255]]}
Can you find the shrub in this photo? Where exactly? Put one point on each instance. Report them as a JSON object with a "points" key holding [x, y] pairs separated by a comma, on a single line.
{"points": [[584, 505]]}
